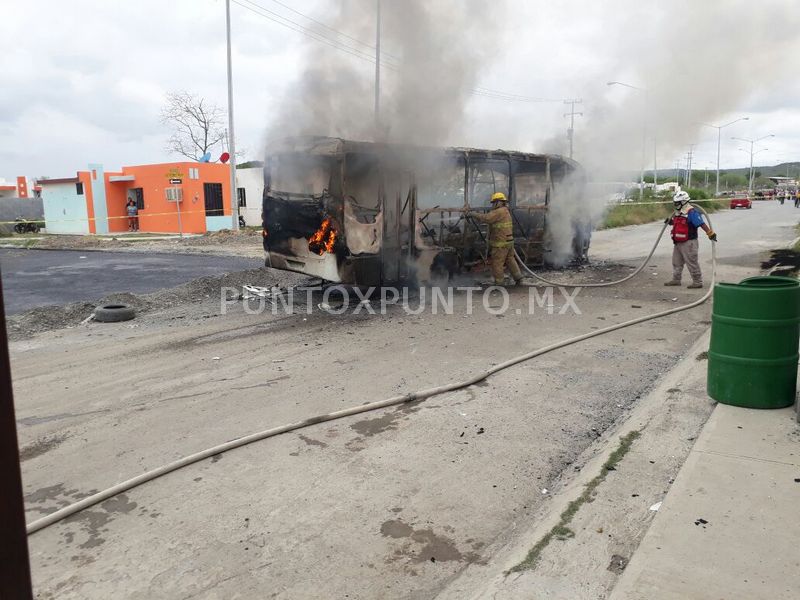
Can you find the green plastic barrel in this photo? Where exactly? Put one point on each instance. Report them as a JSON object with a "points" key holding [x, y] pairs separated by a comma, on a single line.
{"points": [[755, 329]]}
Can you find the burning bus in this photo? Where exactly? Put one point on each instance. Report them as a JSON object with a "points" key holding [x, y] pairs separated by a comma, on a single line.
{"points": [[369, 214]]}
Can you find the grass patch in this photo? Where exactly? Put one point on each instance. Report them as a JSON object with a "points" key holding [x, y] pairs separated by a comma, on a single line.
{"points": [[637, 214], [560, 531]]}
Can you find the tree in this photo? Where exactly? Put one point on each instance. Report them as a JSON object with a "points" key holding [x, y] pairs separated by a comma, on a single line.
{"points": [[197, 125]]}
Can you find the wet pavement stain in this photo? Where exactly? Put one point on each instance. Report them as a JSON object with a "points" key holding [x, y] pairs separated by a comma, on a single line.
{"points": [[34, 420], [40, 446], [312, 442], [370, 427], [93, 522], [425, 545], [396, 529], [410, 408], [53, 497], [783, 262]]}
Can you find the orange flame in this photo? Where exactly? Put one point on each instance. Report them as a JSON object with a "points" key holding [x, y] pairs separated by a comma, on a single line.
{"points": [[323, 239]]}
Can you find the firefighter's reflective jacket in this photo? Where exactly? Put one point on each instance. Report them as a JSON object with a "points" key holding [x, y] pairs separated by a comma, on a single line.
{"points": [[501, 227]]}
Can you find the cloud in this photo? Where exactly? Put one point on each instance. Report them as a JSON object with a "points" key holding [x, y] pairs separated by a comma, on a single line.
{"points": [[83, 81]]}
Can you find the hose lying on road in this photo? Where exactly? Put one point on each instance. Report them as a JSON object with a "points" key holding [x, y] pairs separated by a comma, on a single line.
{"points": [[606, 283], [340, 414]]}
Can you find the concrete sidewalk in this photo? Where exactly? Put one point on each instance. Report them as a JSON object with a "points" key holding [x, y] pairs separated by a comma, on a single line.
{"points": [[729, 527]]}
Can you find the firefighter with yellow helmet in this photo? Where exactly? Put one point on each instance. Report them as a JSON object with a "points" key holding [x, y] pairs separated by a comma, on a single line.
{"points": [[501, 238]]}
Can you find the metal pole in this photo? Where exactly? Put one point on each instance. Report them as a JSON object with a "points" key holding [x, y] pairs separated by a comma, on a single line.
{"points": [[571, 114], [750, 187], [655, 162], [15, 571], [571, 131], [719, 141], [644, 147], [231, 142], [378, 71], [178, 204]]}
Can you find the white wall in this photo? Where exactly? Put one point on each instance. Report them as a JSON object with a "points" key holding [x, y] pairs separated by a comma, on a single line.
{"points": [[64, 210], [252, 180]]}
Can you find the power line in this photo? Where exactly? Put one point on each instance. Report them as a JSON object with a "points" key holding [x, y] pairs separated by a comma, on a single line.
{"points": [[289, 24], [337, 44], [331, 29]]}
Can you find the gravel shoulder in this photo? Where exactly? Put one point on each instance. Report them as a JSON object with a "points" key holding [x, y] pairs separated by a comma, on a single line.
{"points": [[246, 242]]}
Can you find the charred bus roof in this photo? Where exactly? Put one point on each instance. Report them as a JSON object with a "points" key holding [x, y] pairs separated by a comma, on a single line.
{"points": [[333, 146]]}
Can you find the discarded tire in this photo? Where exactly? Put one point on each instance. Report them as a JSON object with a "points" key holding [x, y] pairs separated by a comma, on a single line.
{"points": [[752, 359], [114, 313]]}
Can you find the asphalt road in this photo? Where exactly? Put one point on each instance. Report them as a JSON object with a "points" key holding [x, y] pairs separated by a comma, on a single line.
{"points": [[399, 503], [34, 278]]}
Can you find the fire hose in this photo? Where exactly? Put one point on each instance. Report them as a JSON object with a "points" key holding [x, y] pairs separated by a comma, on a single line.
{"points": [[420, 395]]}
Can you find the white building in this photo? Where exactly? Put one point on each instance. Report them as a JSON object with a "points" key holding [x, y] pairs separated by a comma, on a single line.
{"points": [[250, 190]]}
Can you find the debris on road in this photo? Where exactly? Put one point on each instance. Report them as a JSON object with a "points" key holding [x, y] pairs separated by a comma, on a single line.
{"points": [[113, 313], [48, 318], [617, 564], [656, 506]]}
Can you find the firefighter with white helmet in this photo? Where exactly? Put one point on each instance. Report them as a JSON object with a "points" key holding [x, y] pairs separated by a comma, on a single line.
{"points": [[685, 221], [501, 238]]}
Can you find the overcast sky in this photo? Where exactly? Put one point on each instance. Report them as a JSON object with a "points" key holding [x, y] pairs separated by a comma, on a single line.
{"points": [[83, 80]]}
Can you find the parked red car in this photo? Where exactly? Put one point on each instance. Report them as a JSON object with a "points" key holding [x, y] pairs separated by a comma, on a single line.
{"points": [[741, 203]]}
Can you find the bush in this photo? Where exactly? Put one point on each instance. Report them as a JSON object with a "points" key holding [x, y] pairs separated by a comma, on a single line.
{"points": [[636, 214], [697, 194]]}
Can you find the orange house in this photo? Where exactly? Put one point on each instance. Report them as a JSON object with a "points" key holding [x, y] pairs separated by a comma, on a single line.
{"points": [[172, 197], [186, 197]]}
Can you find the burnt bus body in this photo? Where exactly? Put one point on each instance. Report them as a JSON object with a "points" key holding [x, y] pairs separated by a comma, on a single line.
{"points": [[368, 214]]}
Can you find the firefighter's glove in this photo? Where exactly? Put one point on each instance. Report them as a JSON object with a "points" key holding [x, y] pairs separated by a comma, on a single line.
{"points": [[712, 236]]}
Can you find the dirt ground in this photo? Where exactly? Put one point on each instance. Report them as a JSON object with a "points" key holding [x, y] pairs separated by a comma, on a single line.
{"points": [[245, 242]]}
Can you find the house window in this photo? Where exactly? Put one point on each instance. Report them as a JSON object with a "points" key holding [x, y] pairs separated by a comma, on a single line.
{"points": [[242, 196], [138, 195], [213, 198], [79, 188], [194, 173]]}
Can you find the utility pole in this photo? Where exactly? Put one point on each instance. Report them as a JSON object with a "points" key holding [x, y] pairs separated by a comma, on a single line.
{"points": [[689, 165], [231, 142], [752, 142], [378, 71], [678, 171], [571, 114], [655, 161]]}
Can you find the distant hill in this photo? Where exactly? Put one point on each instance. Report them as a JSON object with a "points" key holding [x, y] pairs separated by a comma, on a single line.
{"points": [[733, 178], [793, 169]]}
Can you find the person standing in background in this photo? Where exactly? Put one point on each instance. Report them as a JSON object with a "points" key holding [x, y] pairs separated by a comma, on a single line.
{"points": [[133, 215]]}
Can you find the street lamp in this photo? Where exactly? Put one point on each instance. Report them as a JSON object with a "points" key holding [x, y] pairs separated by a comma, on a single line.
{"points": [[644, 130], [719, 139], [751, 142], [752, 154]]}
